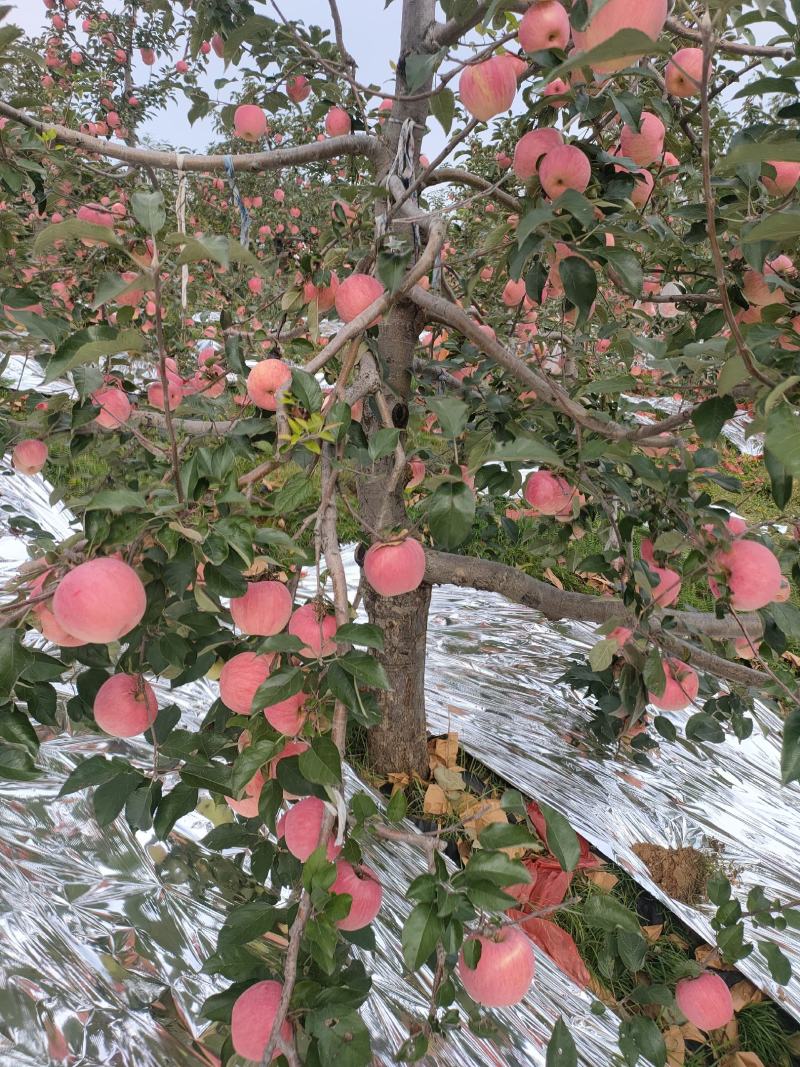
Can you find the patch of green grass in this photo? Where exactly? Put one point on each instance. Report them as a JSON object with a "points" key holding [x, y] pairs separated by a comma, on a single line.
{"points": [[760, 1031]]}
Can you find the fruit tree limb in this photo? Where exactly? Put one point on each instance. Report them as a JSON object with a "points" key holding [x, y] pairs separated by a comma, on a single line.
{"points": [[731, 48], [465, 177], [275, 159], [446, 568]]}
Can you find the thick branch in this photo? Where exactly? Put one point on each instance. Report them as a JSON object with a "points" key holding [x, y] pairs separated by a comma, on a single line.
{"points": [[445, 568], [465, 177], [314, 152]]}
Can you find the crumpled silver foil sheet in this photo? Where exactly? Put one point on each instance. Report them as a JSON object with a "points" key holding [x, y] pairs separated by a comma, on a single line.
{"points": [[102, 939]]}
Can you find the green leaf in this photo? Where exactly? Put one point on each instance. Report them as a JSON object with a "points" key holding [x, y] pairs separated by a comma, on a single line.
{"points": [[640, 1037], [250, 760], [148, 209], [494, 867], [365, 668], [790, 749], [783, 438], [90, 345], [733, 373], [561, 838], [74, 229], [13, 660], [626, 44], [397, 807], [524, 449], [279, 686], [704, 727], [451, 513], [93, 771], [452, 414], [321, 764], [580, 285], [419, 68], [780, 482], [632, 949], [110, 798], [561, 1050], [178, 802], [421, 932], [606, 913], [506, 835], [710, 416], [307, 389], [780, 966], [392, 267], [443, 108], [249, 922], [625, 270], [602, 654], [358, 633], [761, 152], [116, 501]]}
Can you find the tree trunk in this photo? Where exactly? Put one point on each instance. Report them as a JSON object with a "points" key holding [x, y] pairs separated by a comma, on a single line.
{"points": [[399, 743]]}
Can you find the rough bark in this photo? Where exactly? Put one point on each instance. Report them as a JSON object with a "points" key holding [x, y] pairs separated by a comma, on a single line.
{"points": [[399, 743]]}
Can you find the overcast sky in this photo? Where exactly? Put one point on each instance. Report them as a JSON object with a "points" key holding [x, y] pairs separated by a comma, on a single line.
{"points": [[371, 33]]}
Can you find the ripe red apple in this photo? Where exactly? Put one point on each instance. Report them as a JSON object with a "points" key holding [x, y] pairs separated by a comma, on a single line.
{"points": [[681, 689], [705, 1001], [115, 407], [337, 122], [786, 177], [125, 705], [647, 16], [505, 969], [250, 122], [642, 187], [155, 394], [218, 45], [564, 167], [532, 146], [148, 56], [267, 382], [252, 1018], [363, 886], [264, 609], [355, 294], [298, 88], [240, 678], [487, 89], [549, 494], [668, 589], [287, 716], [29, 456], [753, 575], [396, 567], [545, 25], [647, 145], [302, 827], [315, 629], [513, 293], [684, 72], [247, 807], [100, 600]]}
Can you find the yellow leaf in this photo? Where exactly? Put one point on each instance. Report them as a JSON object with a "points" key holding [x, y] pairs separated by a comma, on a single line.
{"points": [[676, 1047], [435, 802], [604, 880]]}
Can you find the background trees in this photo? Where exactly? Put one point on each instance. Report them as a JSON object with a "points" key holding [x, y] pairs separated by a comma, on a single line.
{"points": [[604, 280]]}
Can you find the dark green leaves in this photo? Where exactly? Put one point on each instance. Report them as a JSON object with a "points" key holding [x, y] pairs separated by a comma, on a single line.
{"points": [[790, 749], [561, 838], [306, 389], [279, 686], [783, 438], [148, 209], [451, 413], [13, 659], [561, 1050], [606, 913], [780, 966], [90, 345], [640, 1037], [451, 513], [420, 934], [321, 763], [580, 284], [710, 416]]}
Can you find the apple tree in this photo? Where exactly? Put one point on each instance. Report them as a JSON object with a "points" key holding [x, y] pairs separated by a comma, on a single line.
{"points": [[518, 354]]}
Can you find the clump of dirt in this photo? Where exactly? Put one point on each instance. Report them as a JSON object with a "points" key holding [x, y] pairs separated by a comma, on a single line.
{"points": [[680, 872]]}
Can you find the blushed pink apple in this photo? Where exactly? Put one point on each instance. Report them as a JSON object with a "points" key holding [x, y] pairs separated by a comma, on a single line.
{"points": [[355, 294], [564, 167], [487, 89], [681, 689], [705, 1001], [267, 381], [545, 25], [250, 122], [647, 145], [125, 705], [100, 600], [395, 567], [647, 16], [264, 609], [337, 122], [315, 628], [252, 1019], [29, 456], [684, 72], [302, 827], [533, 145], [240, 678], [362, 884], [504, 971], [787, 175]]}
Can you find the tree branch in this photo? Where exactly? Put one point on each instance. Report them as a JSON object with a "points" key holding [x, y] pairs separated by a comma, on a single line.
{"points": [[465, 177], [445, 568], [731, 48], [276, 159]]}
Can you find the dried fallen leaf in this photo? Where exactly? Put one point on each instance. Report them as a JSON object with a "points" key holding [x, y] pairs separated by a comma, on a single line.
{"points": [[604, 880], [742, 1059], [450, 781], [259, 565], [652, 933], [691, 1033], [435, 802], [744, 993], [447, 749], [398, 781], [793, 658], [676, 1047], [553, 579], [709, 957]]}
